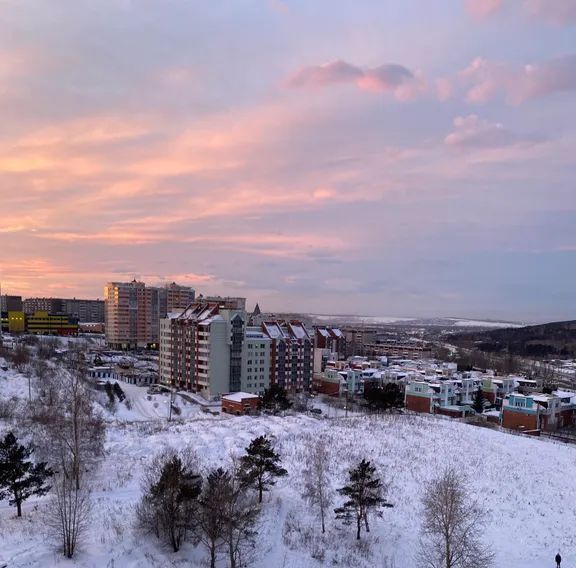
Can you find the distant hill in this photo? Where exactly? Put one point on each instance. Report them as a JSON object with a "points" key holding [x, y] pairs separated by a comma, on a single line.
{"points": [[556, 339]]}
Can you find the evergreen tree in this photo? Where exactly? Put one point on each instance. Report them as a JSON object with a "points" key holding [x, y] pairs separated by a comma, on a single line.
{"points": [[385, 398], [363, 492], [478, 404], [174, 498], [260, 465], [275, 398], [119, 392], [19, 477]]}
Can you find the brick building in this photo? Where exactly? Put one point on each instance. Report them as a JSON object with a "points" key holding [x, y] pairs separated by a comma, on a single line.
{"points": [[239, 403]]}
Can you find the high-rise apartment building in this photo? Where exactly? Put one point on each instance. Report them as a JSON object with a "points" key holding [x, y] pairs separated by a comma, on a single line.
{"points": [[133, 311], [290, 355], [207, 349], [210, 349]]}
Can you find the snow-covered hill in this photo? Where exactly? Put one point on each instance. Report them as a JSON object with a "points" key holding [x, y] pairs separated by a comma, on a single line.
{"points": [[526, 484]]}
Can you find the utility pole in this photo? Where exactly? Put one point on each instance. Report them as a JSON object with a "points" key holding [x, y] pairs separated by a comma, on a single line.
{"points": [[171, 397]]}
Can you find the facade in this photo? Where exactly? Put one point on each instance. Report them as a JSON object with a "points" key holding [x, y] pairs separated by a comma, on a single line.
{"points": [[255, 361], [239, 403], [537, 411], [357, 338], [435, 398], [82, 310], [13, 322], [496, 389], [44, 323], [133, 311], [11, 303], [206, 349], [85, 311], [329, 345], [407, 349], [291, 355]]}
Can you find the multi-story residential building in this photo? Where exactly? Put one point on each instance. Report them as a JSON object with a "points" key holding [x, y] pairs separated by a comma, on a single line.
{"points": [[255, 361], [10, 303], [329, 345], [357, 338], [133, 311], [291, 355], [415, 349], [83, 310], [208, 349]]}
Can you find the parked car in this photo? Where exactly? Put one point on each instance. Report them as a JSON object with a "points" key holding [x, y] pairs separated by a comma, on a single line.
{"points": [[316, 410]]}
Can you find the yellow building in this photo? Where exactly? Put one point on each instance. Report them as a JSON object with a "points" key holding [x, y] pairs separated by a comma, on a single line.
{"points": [[13, 322], [43, 323]]}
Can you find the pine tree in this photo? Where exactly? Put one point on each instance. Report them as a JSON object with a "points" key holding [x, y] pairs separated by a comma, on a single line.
{"points": [[364, 492], [260, 465], [19, 477], [174, 497], [478, 404], [275, 398]]}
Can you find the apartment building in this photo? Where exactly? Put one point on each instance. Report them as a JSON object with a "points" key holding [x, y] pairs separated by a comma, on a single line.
{"points": [[291, 355], [83, 310], [329, 345], [133, 311], [256, 357], [357, 338], [208, 349], [10, 303]]}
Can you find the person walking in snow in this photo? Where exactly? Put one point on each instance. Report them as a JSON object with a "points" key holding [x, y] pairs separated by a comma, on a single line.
{"points": [[558, 560]]}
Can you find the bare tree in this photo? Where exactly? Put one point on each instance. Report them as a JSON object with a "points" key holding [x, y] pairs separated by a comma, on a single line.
{"points": [[545, 374], [317, 478], [70, 512], [75, 433], [20, 357], [213, 508], [452, 526], [241, 514]]}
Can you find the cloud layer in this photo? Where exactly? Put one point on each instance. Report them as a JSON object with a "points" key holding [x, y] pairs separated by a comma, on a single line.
{"points": [[487, 79], [559, 12], [134, 143], [386, 78]]}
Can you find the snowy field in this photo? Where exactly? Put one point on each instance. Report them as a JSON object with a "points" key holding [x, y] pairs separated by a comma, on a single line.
{"points": [[527, 485], [385, 320]]}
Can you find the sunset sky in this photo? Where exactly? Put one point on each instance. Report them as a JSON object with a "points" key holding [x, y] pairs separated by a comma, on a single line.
{"points": [[384, 157]]}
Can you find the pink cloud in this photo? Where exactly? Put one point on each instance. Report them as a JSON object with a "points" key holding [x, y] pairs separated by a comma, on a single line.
{"points": [[552, 11], [444, 89], [473, 132], [486, 79], [559, 12], [386, 78], [483, 8]]}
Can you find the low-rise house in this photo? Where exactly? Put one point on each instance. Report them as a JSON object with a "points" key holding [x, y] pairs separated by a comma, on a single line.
{"points": [[538, 411], [496, 389], [240, 403], [102, 373]]}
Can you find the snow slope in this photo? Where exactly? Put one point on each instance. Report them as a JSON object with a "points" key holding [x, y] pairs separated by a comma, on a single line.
{"points": [[526, 484]]}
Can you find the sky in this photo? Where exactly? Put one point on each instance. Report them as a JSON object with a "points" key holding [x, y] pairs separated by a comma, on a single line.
{"points": [[372, 157]]}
